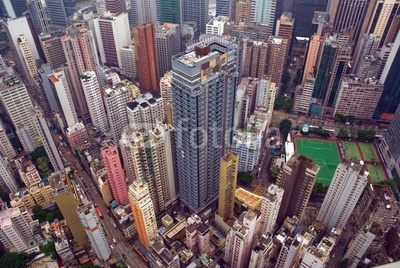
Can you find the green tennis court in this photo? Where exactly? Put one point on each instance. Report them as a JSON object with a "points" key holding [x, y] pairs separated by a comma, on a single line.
{"points": [[324, 153], [351, 150], [368, 152], [376, 173]]}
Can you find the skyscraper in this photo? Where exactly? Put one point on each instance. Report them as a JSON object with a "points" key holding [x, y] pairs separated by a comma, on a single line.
{"points": [[168, 44], [166, 94], [255, 58], [143, 211], [52, 46], [312, 56], [116, 176], [390, 78], [284, 29], [27, 57], [116, 98], [145, 11], [170, 11], [270, 205], [145, 111], [227, 184], [196, 106], [147, 63], [297, 179], [276, 58], [226, 8], [57, 12], [266, 92], [78, 44], [50, 147], [152, 151], [94, 100], [112, 33], [240, 240], [369, 45], [6, 148], [7, 176], [243, 11], [94, 230], [344, 191], [39, 16], [116, 6], [265, 13], [61, 87], [128, 61], [303, 12], [197, 11]]}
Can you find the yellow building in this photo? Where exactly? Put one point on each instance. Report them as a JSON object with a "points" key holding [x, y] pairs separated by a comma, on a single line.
{"points": [[42, 194], [105, 189], [229, 166], [22, 199], [312, 57], [253, 201], [243, 11]]}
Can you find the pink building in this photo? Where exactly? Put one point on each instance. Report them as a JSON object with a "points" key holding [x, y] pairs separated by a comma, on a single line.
{"points": [[116, 176], [77, 135], [27, 171], [198, 234], [80, 52]]}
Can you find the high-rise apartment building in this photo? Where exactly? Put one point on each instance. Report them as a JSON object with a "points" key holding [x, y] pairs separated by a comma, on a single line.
{"points": [[145, 11], [226, 8], [116, 176], [128, 61], [369, 45], [168, 43], [266, 92], [24, 136], [152, 151], [265, 13], [126, 153], [382, 17], [217, 25], [101, 7], [243, 11], [112, 33], [7, 176], [27, 57], [303, 95], [144, 111], [15, 230], [166, 95], [358, 246], [80, 52], [390, 98], [116, 6], [358, 98], [227, 184], [284, 29], [240, 240], [276, 58], [215, 60], [318, 256], [27, 171], [13, 8], [94, 100], [297, 179], [255, 58], [198, 234], [6, 148], [339, 201], [310, 67], [57, 13], [196, 11], [16, 101], [270, 205], [47, 97], [116, 97], [170, 11], [143, 211], [44, 133], [94, 230], [61, 87], [147, 63], [52, 47], [289, 250], [39, 16]]}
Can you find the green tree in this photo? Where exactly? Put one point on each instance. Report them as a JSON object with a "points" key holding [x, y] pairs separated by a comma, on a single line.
{"points": [[245, 177], [285, 78], [287, 104], [275, 173], [89, 265], [43, 165], [284, 127], [38, 152], [366, 134], [49, 216], [341, 118], [13, 259], [279, 102], [48, 248], [350, 119], [343, 133], [39, 213]]}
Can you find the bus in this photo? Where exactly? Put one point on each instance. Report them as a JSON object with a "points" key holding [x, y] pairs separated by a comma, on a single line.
{"points": [[99, 212]]}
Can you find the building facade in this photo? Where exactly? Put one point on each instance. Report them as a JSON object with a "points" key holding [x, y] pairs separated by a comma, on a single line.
{"points": [[227, 184]]}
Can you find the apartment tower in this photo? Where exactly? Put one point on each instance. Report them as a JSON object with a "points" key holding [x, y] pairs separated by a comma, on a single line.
{"points": [[339, 201], [143, 211], [271, 203], [81, 55], [197, 11], [52, 45], [170, 11], [297, 179], [116, 176], [116, 6], [147, 63], [57, 13], [27, 57], [227, 184], [94, 100], [168, 43], [94, 230], [39, 16], [196, 107]]}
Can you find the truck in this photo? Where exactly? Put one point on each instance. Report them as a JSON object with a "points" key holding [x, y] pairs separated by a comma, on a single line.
{"points": [[99, 212]]}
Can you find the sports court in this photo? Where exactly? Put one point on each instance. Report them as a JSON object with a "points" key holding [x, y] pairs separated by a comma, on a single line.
{"points": [[376, 173], [351, 150], [368, 152], [325, 154]]}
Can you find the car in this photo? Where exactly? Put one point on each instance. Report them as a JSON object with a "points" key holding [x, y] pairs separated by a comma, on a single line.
{"points": [[123, 255], [115, 241], [111, 246]]}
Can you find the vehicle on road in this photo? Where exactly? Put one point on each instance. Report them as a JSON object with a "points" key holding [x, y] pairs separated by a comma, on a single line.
{"points": [[111, 246], [123, 255], [114, 241], [99, 212]]}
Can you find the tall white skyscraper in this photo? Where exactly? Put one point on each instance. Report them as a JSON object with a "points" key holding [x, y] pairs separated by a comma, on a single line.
{"points": [[27, 57], [145, 11], [344, 191], [128, 60], [94, 100], [94, 230], [7, 176], [112, 33], [263, 12], [6, 148], [47, 140], [266, 92], [270, 205], [145, 111], [62, 89]]}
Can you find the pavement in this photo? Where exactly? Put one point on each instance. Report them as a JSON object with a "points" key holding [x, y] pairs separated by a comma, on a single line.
{"points": [[87, 182]]}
